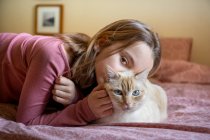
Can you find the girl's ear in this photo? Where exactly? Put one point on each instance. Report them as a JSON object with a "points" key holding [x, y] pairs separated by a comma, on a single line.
{"points": [[142, 75], [110, 73]]}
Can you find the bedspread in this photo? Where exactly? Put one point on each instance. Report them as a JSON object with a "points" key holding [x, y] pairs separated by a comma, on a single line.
{"points": [[187, 86], [189, 118]]}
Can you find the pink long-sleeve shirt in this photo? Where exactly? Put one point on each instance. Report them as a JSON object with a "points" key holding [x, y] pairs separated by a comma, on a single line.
{"points": [[28, 69]]}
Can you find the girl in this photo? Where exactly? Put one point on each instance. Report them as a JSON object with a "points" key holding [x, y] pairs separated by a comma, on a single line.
{"points": [[30, 65]]}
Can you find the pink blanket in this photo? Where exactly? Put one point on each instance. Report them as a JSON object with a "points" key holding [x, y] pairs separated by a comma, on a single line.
{"points": [[188, 108]]}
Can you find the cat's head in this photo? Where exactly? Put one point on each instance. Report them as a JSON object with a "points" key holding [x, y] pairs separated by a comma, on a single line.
{"points": [[126, 90]]}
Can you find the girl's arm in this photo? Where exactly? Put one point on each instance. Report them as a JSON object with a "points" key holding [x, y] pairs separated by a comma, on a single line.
{"points": [[43, 63], [43, 68]]}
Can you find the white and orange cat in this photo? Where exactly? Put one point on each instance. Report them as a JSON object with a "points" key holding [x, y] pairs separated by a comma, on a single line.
{"points": [[134, 98]]}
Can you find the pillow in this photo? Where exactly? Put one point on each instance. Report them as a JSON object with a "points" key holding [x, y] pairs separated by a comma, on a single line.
{"points": [[180, 71], [176, 48]]}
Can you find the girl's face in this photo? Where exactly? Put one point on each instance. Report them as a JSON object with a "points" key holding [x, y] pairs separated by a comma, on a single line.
{"points": [[136, 57]]}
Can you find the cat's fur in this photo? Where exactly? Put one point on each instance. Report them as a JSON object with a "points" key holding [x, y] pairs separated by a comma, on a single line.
{"points": [[123, 88]]}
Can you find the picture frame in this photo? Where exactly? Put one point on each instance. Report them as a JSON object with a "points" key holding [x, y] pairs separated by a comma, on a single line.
{"points": [[48, 19]]}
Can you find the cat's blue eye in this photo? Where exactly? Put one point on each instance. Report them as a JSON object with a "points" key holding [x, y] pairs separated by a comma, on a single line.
{"points": [[118, 92], [136, 93]]}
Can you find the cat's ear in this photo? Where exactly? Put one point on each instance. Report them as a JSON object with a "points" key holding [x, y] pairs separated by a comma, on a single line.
{"points": [[110, 73], [142, 75]]}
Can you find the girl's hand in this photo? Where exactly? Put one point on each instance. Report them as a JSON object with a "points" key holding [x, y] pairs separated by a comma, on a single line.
{"points": [[64, 91], [99, 102]]}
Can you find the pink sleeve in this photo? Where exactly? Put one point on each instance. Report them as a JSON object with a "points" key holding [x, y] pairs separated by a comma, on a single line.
{"points": [[36, 92]]}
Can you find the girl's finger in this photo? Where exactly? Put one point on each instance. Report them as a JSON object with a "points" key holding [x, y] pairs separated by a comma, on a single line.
{"points": [[61, 88], [107, 106], [105, 100], [107, 113], [61, 94], [60, 100], [102, 94], [98, 87]]}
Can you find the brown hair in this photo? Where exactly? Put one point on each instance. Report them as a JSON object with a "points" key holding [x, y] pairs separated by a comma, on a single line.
{"points": [[128, 31]]}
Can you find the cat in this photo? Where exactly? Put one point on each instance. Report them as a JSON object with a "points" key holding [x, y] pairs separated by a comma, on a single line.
{"points": [[134, 98]]}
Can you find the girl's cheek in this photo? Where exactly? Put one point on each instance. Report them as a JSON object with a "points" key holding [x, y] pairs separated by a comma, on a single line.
{"points": [[100, 74]]}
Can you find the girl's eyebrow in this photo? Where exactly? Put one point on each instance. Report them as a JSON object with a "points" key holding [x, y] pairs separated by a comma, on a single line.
{"points": [[129, 56]]}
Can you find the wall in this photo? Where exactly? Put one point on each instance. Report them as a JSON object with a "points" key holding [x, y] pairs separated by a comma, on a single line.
{"points": [[170, 18]]}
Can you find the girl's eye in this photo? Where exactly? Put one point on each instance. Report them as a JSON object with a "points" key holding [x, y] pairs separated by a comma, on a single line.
{"points": [[118, 92], [124, 60], [136, 93]]}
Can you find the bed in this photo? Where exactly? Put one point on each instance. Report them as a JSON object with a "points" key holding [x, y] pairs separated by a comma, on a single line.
{"points": [[187, 85]]}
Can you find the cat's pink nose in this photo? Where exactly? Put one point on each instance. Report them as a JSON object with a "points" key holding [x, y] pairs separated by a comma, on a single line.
{"points": [[126, 107]]}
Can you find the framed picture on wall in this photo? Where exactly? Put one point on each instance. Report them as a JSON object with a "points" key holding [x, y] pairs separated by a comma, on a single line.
{"points": [[48, 19]]}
